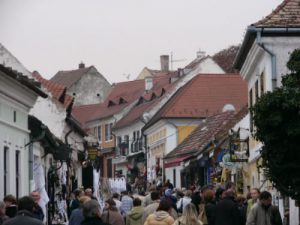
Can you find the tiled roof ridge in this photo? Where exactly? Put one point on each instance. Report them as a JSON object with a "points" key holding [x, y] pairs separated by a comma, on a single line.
{"points": [[71, 71], [186, 87], [225, 121], [24, 80], [196, 61], [57, 90], [85, 106], [264, 22], [214, 75]]}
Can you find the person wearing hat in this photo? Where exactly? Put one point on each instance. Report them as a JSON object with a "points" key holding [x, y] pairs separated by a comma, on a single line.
{"points": [[111, 215]]}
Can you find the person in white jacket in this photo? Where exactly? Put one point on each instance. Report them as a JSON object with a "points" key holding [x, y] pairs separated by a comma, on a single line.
{"points": [[186, 199]]}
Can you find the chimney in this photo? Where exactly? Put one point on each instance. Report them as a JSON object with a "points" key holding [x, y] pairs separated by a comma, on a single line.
{"points": [[200, 54], [148, 83], [180, 72], [164, 62], [81, 65]]}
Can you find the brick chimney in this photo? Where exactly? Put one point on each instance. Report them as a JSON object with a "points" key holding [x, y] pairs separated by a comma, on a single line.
{"points": [[81, 65], [164, 62]]}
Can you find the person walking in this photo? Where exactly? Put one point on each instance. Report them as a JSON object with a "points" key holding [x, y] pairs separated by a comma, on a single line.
{"points": [[76, 203], [263, 213], [210, 206], [182, 202], [11, 206], [37, 211], [227, 211], [161, 216], [25, 213], [254, 199], [89, 192], [116, 198], [3, 217], [127, 204], [111, 215], [189, 216], [92, 213], [77, 214], [147, 200], [155, 197], [135, 216]]}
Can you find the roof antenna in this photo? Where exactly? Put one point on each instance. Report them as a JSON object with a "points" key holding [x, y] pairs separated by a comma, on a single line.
{"points": [[175, 60], [127, 76]]}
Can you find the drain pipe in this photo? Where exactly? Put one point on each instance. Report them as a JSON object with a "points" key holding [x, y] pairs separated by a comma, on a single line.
{"points": [[273, 59]]}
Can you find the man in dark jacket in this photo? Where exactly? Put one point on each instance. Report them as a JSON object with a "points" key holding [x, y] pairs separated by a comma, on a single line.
{"points": [[263, 213], [227, 211], [37, 209], [24, 215]]}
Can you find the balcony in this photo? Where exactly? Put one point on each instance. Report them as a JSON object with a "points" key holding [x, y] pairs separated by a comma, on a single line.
{"points": [[119, 160]]}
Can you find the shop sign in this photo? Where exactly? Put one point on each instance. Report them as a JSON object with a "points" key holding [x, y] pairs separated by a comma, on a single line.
{"points": [[92, 153]]}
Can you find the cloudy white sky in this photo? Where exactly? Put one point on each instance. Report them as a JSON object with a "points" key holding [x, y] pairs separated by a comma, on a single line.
{"points": [[121, 37]]}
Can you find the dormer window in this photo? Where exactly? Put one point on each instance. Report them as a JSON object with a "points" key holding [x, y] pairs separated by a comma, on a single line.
{"points": [[122, 100], [110, 103]]}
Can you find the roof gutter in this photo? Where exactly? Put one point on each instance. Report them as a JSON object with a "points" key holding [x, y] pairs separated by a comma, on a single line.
{"points": [[273, 58], [251, 35]]}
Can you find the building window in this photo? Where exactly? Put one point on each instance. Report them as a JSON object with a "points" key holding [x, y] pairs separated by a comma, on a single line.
{"points": [[126, 144], [108, 133], [174, 177], [256, 91], [15, 116], [251, 105], [5, 169], [262, 83], [119, 144], [17, 173], [99, 133]]}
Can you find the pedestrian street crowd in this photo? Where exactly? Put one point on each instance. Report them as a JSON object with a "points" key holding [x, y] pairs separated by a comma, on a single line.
{"points": [[162, 205]]}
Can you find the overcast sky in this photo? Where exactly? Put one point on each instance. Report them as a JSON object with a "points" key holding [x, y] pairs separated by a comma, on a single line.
{"points": [[121, 37]]}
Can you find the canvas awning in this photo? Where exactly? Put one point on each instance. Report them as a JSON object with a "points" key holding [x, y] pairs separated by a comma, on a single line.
{"points": [[176, 161]]}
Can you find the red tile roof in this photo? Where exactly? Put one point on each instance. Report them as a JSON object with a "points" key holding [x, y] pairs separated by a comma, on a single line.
{"points": [[128, 91], [58, 91], [204, 95], [214, 127], [83, 112], [148, 100], [287, 14], [68, 78], [135, 113]]}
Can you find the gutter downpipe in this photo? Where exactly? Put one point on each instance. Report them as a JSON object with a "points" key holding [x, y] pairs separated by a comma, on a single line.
{"points": [[273, 57]]}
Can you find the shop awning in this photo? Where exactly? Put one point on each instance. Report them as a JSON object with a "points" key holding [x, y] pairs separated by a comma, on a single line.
{"points": [[176, 161]]}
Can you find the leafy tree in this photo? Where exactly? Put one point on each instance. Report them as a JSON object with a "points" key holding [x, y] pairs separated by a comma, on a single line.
{"points": [[276, 117]]}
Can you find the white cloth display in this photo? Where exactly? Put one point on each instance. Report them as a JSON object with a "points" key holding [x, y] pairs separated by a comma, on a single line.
{"points": [[39, 179], [117, 185]]}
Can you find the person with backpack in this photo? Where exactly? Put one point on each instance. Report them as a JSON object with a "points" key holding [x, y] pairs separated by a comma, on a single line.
{"points": [[182, 202]]}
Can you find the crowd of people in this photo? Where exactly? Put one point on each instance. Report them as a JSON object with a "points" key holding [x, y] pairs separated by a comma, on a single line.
{"points": [[164, 205], [24, 211]]}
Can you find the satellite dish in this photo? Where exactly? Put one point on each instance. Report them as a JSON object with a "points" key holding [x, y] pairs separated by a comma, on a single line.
{"points": [[146, 117], [228, 107]]}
